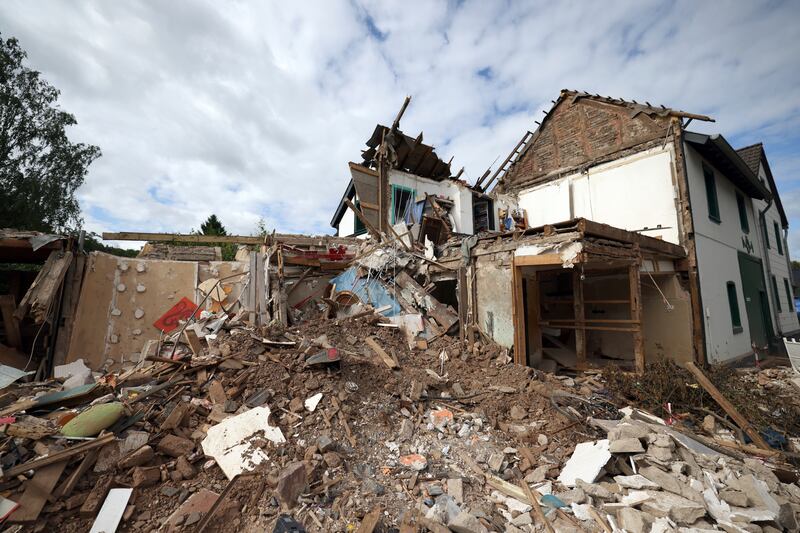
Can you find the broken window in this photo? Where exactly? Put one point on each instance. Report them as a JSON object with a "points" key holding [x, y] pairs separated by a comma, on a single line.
{"points": [[788, 289], [711, 194], [742, 212], [359, 228], [482, 214], [733, 303], [402, 200]]}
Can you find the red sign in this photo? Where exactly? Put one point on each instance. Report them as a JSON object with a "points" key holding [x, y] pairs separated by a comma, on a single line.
{"points": [[180, 311]]}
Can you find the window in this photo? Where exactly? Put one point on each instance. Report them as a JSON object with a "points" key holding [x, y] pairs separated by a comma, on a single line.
{"points": [[788, 289], [733, 303], [359, 228], [402, 199], [740, 202], [711, 194], [778, 241], [766, 233], [776, 295]]}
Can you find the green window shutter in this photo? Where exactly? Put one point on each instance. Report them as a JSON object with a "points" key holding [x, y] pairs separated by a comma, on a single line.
{"points": [[766, 234], [778, 242], [776, 294], [788, 289], [733, 303], [711, 194], [740, 202]]}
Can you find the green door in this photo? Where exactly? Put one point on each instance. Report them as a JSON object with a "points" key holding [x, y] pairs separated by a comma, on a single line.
{"points": [[755, 299]]}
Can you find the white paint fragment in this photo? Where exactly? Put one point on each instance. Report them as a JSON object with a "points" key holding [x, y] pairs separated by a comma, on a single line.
{"points": [[140, 288], [312, 402], [230, 442], [121, 287], [586, 463]]}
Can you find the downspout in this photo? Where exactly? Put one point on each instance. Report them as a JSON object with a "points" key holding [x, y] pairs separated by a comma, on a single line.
{"points": [[770, 287], [792, 307]]}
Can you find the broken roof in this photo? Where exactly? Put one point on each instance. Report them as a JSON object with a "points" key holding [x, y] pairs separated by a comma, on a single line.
{"points": [[753, 155], [636, 108], [409, 154]]}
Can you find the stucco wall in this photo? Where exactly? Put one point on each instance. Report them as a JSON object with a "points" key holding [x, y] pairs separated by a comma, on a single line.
{"points": [[631, 193], [717, 259], [459, 194], [493, 287]]}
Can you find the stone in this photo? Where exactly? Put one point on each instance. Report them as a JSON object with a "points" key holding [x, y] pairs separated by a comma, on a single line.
{"points": [[595, 490], [168, 491], [662, 479], [628, 445], [576, 495], [517, 413], [441, 418], [734, 497], [414, 461], [145, 477], [636, 481], [175, 446], [291, 483], [538, 474], [659, 453], [139, 457], [628, 430], [325, 444], [633, 521], [466, 522], [370, 486], [495, 462], [677, 508], [332, 459], [455, 488], [710, 424], [522, 519], [296, 405], [198, 503], [542, 439], [185, 468], [406, 430]]}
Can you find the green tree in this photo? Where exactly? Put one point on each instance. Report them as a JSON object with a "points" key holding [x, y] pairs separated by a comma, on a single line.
{"points": [[40, 168], [212, 226]]}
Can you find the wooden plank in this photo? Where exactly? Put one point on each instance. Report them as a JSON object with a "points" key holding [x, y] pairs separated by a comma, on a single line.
{"points": [[580, 317], [40, 296], [518, 315], [727, 406], [283, 238], [193, 341], [537, 510], [58, 456], [636, 316], [37, 492], [65, 489], [367, 224], [562, 325], [10, 322], [370, 521], [537, 260], [385, 357], [534, 331], [72, 291]]}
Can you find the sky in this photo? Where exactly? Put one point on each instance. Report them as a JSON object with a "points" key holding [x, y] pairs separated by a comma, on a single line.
{"points": [[251, 110]]}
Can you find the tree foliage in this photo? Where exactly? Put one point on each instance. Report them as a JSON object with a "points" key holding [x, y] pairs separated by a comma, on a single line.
{"points": [[40, 168], [212, 226]]}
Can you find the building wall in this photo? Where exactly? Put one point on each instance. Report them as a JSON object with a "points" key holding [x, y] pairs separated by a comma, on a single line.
{"points": [[718, 244], [784, 321], [494, 296], [631, 193], [455, 191]]}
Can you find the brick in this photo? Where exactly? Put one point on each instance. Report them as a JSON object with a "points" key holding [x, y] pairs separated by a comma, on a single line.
{"points": [[291, 483], [175, 446], [139, 457], [145, 477]]}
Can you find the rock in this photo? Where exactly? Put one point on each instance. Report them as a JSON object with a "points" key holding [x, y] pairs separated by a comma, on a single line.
{"points": [[633, 521], [466, 523], [576, 495], [595, 490], [441, 418], [414, 461], [325, 444], [291, 483], [175, 446], [198, 504], [710, 424], [522, 519], [370, 486], [677, 508], [636, 481], [662, 479], [495, 462], [734, 497], [542, 439], [139, 457], [628, 445], [332, 459], [455, 488], [406, 430], [628, 430], [145, 477], [517, 413], [168, 491], [296, 405], [660, 453], [185, 468], [538, 474]]}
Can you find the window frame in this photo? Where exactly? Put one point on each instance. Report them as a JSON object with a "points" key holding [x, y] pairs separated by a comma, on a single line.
{"points": [[742, 207], [789, 296], [776, 294], [358, 226], [778, 240], [712, 198], [733, 306], [396, 187], [766, 233]]}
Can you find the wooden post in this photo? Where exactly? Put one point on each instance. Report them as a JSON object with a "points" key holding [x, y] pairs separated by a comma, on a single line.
{"points": [[10, 322], [367, 224], [636, 316], [534, 355], [518, 314], [580, 331]]}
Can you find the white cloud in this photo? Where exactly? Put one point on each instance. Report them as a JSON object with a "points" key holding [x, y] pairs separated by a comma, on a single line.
{"points": [[250, 109]]}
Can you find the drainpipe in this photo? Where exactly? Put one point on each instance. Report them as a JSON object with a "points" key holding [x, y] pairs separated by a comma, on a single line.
{"points": [[770, 288], [789, 266]]}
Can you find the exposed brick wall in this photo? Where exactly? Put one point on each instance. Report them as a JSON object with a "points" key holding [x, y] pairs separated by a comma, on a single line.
{"points": [[577, 134]]}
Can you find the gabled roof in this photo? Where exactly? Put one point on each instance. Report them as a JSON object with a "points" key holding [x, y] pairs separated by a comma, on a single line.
{"points": [[636, 108], [753, 156], [716, 150]]}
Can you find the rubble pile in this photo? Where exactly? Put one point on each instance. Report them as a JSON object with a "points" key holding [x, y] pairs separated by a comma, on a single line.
{"points": [[366, 413]]}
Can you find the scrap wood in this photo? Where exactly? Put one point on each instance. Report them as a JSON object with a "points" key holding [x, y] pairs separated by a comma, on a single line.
{"points": [[370, 521], [535, 506], [65, 489], [42, 293], [111, 512], [58, 456], [723, 402], [193, 341], [385, 357], [600, 520], [37, 492]]}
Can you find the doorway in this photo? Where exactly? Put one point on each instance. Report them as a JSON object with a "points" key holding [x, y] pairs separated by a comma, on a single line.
{"points": [[755, 299]]}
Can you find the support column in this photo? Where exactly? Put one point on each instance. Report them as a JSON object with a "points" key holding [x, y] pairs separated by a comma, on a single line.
{"points": [[534, 355], [518, 313], [580, 317], [636, 315]]}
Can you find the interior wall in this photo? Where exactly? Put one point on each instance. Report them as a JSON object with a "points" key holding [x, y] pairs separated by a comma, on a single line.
{"points": [[667, 333], [494, 292]]}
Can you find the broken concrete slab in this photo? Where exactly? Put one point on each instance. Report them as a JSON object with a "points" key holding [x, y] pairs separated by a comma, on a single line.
{"points": [[636, 481], [466, 522], [677, 508], [230, 441], [586, 463], [291, 483], [627, 445]]}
